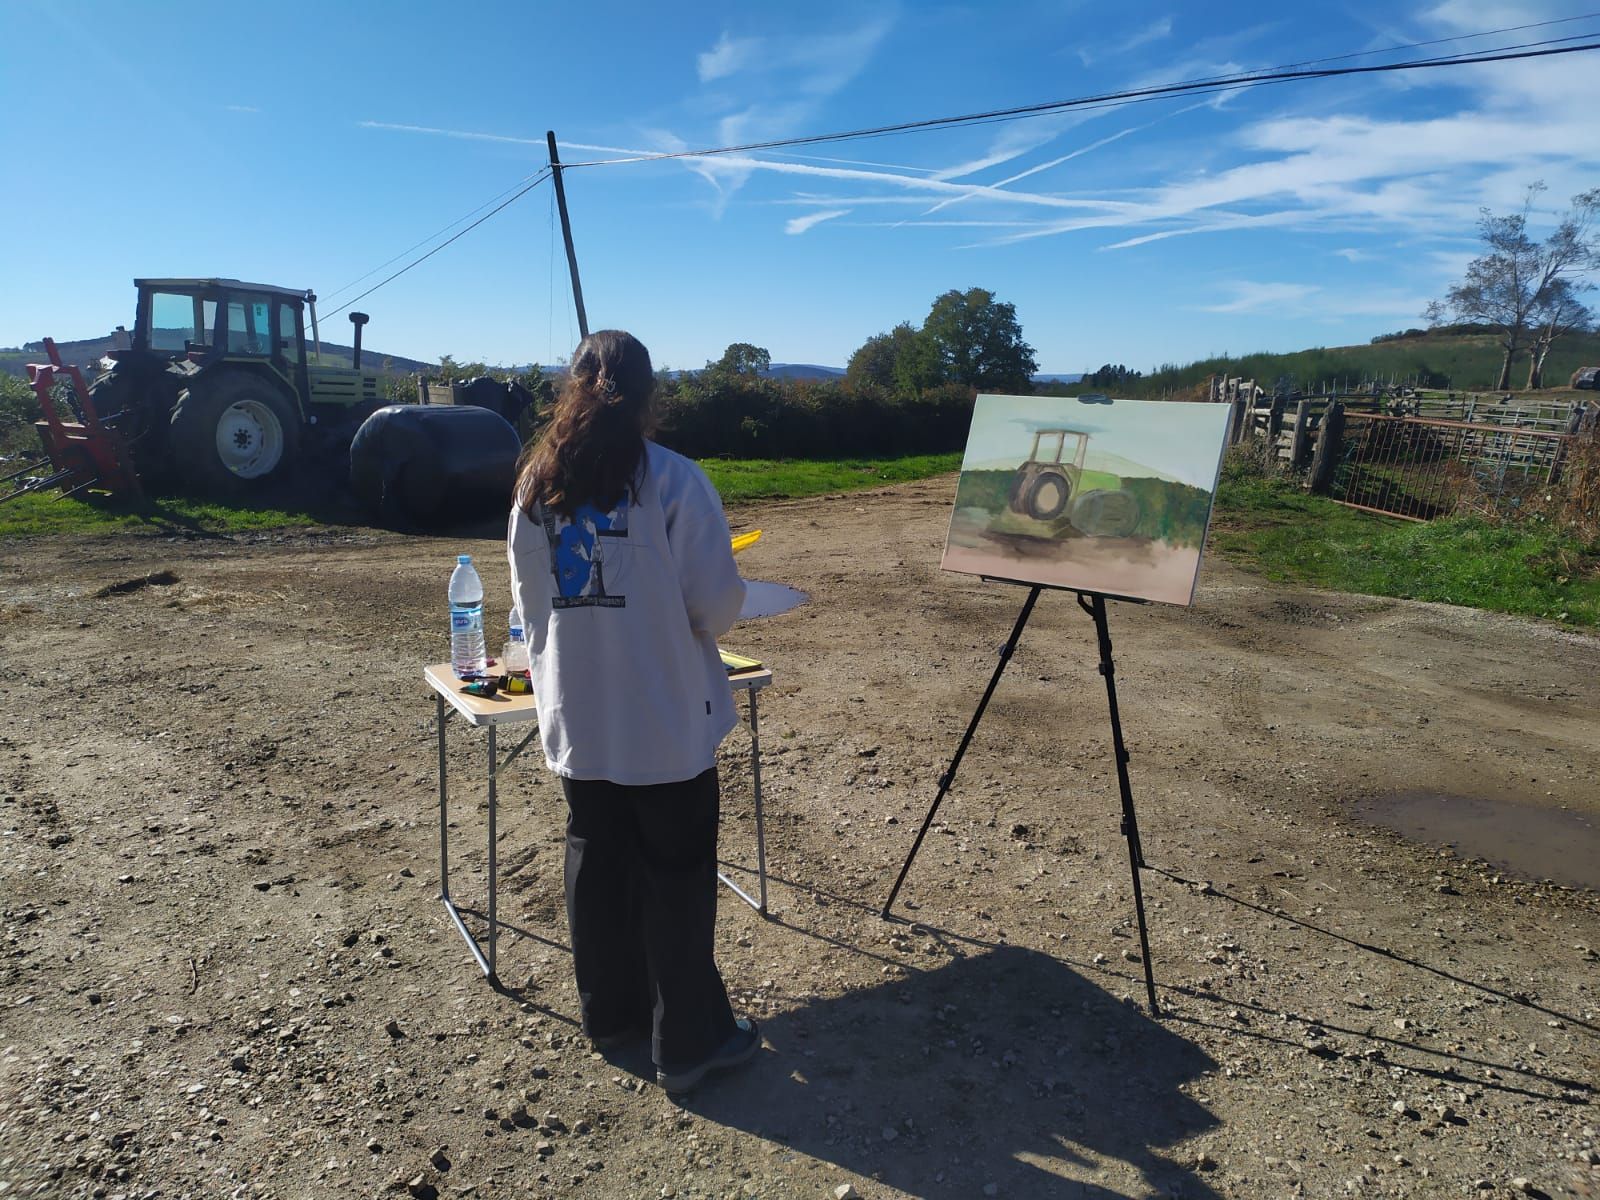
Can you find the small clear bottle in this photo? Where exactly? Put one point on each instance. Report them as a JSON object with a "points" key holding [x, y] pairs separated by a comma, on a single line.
{"points": [[515, 659]]}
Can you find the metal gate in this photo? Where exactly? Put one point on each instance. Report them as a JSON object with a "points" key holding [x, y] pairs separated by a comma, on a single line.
{"points": [[1419, 469]]}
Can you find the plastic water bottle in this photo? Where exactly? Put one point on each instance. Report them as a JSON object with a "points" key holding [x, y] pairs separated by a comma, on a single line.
{"points": [[516, 647], [468, 655]]}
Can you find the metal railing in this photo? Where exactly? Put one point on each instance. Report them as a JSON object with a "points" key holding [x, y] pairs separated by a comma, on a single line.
{"points": [[1418, 468]]}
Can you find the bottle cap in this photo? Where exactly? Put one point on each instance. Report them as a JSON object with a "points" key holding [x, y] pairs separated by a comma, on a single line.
{"points": [[463, 558]]}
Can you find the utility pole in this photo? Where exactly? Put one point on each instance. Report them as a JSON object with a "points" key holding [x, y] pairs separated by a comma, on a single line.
{"points": [[566, 233]]}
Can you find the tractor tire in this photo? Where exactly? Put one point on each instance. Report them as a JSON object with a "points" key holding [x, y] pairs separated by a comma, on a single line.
{"points": [[1105, 513], [1046, 497], [233, 437], [1019, 486]]}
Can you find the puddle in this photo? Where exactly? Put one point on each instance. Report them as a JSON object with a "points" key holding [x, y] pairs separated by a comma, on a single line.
{"points": [[763, 599], [1539, 843]]}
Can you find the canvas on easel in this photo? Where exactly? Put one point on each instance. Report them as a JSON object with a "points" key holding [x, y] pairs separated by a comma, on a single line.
{"points": [[1088, 493]]}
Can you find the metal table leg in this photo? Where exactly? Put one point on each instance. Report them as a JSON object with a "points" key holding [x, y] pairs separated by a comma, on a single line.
{"points": [[494, 921], [441, 715], [761, 836]]}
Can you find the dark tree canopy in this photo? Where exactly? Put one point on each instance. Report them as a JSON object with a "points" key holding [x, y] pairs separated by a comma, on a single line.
{"points": [[741, 358], [979, 341]]}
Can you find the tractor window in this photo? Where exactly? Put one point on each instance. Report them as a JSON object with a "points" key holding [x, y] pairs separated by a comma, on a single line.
{"points": [[288, 335], [249, 331], [173, 322]]}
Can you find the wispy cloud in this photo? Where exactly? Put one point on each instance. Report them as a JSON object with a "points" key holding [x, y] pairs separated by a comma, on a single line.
{"points": [[1152, 32], [466, 135], [1309, 300], [242, 108], [1252, 297], [728, 57], [798, 225]]}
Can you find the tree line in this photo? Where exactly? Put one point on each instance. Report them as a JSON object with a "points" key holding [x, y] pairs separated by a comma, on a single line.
{"points": [[907, 391]]}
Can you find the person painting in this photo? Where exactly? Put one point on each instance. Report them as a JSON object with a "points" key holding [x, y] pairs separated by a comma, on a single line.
{"points": [[622, 570]]}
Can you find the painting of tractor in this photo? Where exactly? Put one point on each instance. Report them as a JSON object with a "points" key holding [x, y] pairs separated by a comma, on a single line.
{"points": [[1053, 488]]}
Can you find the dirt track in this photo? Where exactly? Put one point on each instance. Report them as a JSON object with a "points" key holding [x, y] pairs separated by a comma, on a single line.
{"points": [[219, 878]]}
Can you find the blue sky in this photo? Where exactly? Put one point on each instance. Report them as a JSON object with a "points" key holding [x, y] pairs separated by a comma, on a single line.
{"points": [[305, 144]]}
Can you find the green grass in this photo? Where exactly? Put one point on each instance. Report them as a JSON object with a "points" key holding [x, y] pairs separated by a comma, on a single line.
{"points": [[1278, 531], [742, 479], [738, 480], [43, 515]]}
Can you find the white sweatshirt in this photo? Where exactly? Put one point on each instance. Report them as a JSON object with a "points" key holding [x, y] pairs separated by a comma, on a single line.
{"points": [[622, 611]]}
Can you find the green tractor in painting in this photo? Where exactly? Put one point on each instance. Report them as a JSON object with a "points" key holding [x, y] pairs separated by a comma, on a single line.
{"points": [[1050, 489], [214, 392]]}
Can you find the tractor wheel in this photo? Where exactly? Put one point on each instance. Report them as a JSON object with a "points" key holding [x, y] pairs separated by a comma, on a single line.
{"points": [[1018, 489], [1046, 497], [235, 436]]}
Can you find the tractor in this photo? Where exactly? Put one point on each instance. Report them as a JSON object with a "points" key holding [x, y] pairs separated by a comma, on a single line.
{"points": [[214, 393], [1048, 489]]}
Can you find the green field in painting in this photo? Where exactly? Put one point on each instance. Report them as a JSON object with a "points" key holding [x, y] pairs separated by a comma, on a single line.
{"points": [[1174, 513]]}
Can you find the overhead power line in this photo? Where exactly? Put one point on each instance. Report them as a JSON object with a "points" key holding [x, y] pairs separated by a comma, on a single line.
{"points": [[1218, 83], [537, 180], [417, 245]]}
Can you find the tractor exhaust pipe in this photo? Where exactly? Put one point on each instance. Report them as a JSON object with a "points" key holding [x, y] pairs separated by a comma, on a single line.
{"points": [[316, 335], [358, 320]]}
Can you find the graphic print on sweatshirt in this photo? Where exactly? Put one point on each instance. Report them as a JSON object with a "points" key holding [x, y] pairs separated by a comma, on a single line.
{"points": [[577, 554]]}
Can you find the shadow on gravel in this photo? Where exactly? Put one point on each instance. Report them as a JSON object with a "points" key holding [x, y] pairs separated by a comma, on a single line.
{"points": [[1384, 952], [1005, 1067]]}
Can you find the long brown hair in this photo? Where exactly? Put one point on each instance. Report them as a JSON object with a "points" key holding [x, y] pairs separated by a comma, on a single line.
{"points": [[592, 451]]}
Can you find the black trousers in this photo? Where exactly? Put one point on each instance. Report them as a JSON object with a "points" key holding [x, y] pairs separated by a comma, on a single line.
{"points": [[642, 910]]}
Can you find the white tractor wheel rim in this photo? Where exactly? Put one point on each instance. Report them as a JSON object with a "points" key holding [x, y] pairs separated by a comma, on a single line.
{"points": [[249, 439]]}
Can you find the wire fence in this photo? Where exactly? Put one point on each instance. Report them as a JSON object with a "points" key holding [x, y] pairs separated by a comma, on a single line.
{"points": [[1419, 469]]}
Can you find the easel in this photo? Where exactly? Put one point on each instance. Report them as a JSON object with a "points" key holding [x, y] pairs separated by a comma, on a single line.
{"points": [[1093, 603]]}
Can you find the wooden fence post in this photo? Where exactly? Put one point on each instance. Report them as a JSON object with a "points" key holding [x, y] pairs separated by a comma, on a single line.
{"points": [[1275, 419], [1302, 433], [1330, 442], [1236, 423]]}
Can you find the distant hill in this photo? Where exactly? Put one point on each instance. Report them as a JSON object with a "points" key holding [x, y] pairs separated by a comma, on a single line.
{"points": [[802, 371], [87, 352], [1463, 362]]}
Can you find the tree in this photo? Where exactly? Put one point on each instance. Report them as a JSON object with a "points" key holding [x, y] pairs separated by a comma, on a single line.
{"points": [[741, 358], [979, 342], [903, 361], [872, 365], [1557, 313], [1112, 375], [1526, 289]]}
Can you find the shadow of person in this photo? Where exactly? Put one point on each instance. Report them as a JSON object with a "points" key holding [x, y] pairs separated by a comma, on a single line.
{"points": [[1004, 1067]]}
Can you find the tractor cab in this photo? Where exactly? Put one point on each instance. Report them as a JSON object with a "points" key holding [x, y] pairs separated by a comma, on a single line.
{"points": [[1043, 436], [204, 321]]}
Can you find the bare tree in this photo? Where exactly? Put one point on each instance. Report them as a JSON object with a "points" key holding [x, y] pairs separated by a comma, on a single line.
{"points": [[1557, 313], [1527, 289]]}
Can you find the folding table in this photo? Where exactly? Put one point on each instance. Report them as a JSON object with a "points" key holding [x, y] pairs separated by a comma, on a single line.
{"points": [[490, 713]]}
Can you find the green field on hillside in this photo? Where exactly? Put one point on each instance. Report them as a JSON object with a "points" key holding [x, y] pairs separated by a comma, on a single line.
{"points": [[1468, 362]]}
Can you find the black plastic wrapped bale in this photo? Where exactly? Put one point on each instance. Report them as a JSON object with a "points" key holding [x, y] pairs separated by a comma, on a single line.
{"points": [[509, 399], [431, 464]]}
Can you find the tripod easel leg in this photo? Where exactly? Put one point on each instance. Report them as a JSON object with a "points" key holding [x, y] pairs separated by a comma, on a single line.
{"points": [[949, 776], [1095, 606]]}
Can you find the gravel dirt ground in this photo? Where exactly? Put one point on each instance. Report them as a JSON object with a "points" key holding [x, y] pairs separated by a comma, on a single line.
{"points": [[227, 973]]}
